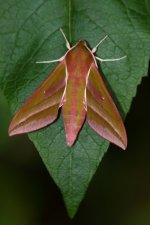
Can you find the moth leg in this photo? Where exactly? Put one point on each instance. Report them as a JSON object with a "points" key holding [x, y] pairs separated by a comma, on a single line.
{"points": [[110, 60], [52, 61], [67, 42], [105, 60], [96, 47]]}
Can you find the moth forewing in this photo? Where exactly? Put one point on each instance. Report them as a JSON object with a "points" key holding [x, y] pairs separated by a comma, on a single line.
{"points": [[102, 114], [41, 108]]}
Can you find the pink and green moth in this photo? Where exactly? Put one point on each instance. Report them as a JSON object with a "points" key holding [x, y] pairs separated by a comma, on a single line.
{"points": [[75, 85]]}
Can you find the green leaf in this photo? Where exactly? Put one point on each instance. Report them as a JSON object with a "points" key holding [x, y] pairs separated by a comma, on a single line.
{"points": [[29, 32]]}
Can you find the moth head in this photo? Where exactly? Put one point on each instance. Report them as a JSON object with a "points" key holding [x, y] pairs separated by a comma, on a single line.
{"points": [[82, 43]]}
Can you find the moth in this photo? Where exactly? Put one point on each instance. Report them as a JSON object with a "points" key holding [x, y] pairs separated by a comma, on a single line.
{"points": [[76, 86]]}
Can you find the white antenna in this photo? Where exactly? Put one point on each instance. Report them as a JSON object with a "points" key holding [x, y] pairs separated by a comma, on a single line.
{"points": [[67, 42], [95, 48]]}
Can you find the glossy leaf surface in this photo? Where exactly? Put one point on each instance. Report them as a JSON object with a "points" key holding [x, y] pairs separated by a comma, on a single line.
{"points": [[30, 32]]}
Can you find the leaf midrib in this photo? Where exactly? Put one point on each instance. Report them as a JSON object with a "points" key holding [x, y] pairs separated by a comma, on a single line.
{"points": [[69, 19]]}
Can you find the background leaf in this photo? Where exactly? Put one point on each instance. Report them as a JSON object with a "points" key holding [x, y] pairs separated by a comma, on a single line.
{"points": [[30, 32]]}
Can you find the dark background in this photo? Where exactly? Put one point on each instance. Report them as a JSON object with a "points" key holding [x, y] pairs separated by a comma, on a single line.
{"points": [[119, 193]]}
